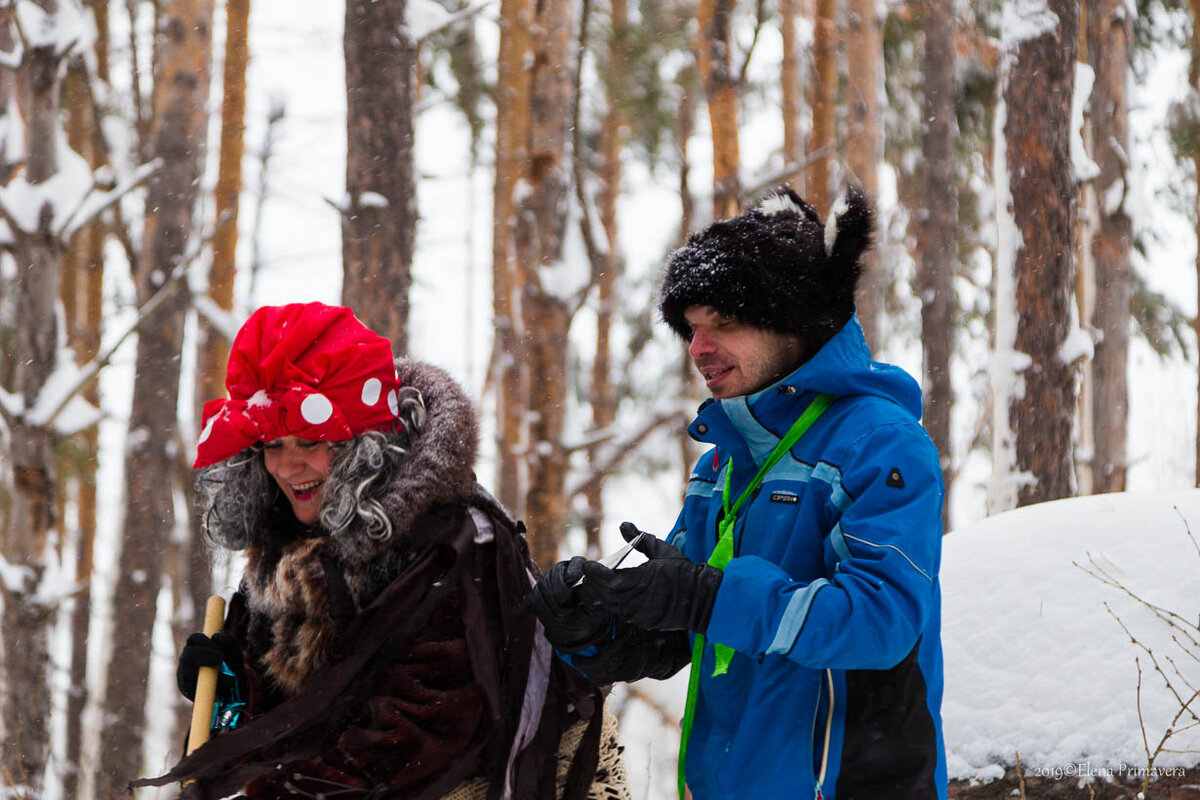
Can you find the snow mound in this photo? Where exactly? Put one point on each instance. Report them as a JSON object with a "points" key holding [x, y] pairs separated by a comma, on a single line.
{"points": [[1036, 660]]}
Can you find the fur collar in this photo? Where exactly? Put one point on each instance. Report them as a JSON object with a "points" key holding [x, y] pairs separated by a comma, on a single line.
{"points": [[439, 467]]}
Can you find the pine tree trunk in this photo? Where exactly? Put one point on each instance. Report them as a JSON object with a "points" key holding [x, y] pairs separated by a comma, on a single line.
{"points": [[31, 519], [182, 75], [937, 232], [715, 51], [508, 360], [1108, 34], [864, 143], [190, 570], [213, 350], [1038, 95], [823, 142], [791, 84], [603, 393], [379, 223], [82, 295], [1194, 81], [540, 221], [684, 125]]}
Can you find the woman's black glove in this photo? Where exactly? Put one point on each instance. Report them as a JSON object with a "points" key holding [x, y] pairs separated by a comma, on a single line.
{"points": [[670, 592], [569, 626], [633, 654], [204, 651]]}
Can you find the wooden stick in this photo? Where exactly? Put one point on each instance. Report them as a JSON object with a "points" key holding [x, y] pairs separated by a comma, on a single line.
{"points": [[206, 681]]}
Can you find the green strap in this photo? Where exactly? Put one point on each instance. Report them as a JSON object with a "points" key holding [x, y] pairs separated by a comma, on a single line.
{"points": [[722, 554]]}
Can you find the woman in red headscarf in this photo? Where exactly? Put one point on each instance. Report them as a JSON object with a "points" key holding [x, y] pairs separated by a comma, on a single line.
{"points": [[381, 643]]}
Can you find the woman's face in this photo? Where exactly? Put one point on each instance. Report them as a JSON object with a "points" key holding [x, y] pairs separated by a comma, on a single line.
{"points": [[300, 467]]}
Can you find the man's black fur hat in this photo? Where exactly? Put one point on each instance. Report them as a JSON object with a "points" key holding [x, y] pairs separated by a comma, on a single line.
{"points": [[776, 267]]}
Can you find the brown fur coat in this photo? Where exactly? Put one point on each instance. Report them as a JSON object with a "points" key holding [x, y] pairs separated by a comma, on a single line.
{"points": [[398, 667]]}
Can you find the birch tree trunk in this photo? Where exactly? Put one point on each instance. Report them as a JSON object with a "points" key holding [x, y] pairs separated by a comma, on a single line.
{"points": [[379, 222], [31, 519], [936, 250], [1037, 91], [538, 241], [715, 55], [508, 373], [864, 142], [1108, 36], [178, 137], [685, 122]]}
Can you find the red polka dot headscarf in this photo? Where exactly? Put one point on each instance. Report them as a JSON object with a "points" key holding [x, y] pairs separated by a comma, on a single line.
{"points": [[307, 370]]}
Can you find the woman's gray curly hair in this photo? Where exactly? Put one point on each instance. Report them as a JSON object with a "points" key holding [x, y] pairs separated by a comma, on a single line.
{"points": [[238, 496]]}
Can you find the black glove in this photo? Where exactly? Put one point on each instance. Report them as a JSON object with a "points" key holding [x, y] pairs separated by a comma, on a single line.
{"points": [[203, 651], [569, 626], [669, 592], [633, 654]]}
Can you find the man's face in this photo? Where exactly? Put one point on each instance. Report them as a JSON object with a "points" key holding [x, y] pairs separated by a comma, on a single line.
{"points": [[737, 359]]}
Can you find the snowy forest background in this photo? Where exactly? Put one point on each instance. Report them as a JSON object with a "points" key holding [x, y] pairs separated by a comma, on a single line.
{"points": [[493, 185]]}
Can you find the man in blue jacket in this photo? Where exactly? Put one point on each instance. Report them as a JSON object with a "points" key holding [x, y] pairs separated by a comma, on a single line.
{"points": [[801, 578]]}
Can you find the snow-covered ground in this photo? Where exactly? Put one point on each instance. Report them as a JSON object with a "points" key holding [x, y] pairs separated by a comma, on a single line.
{"points": [[1040, 606]]}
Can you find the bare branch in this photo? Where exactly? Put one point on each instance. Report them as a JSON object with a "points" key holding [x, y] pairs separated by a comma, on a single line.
{"points": [[596, 257], [622, 449], [457, 16], [1169, 617], [783, 173], [1188, 528], [760, 13]]}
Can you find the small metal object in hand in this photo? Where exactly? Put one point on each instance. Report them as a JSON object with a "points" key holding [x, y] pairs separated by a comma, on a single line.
{"points": [[613, 560]]}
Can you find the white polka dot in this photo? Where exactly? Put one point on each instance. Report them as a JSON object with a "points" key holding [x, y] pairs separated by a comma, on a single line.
{"points": [[393, 402], [208, 426], [316, 409], [371, 391]]}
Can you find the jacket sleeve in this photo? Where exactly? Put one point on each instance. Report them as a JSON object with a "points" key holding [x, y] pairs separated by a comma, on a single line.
{"points": [[881, 555]]}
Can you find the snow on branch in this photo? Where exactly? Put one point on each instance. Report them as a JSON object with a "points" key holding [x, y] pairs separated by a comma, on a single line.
{"points": [[62, 31], [15, 577], [95, 202], [224, 322], [50, 407], [23, 204]]}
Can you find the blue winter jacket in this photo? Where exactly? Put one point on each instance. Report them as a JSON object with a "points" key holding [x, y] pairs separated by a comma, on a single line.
{"points": [[831, 601]]}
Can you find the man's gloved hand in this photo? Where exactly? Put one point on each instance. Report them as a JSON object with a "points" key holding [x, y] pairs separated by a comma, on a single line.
{"points": [[633, 654], [570, 626], [669, 592], [204, 651]]}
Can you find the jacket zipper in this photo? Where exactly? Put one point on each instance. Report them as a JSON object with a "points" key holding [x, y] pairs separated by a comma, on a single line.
{"points": [[820, 776]]}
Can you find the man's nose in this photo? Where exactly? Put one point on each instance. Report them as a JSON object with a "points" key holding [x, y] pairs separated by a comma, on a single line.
{"points": [[700, 345]]}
